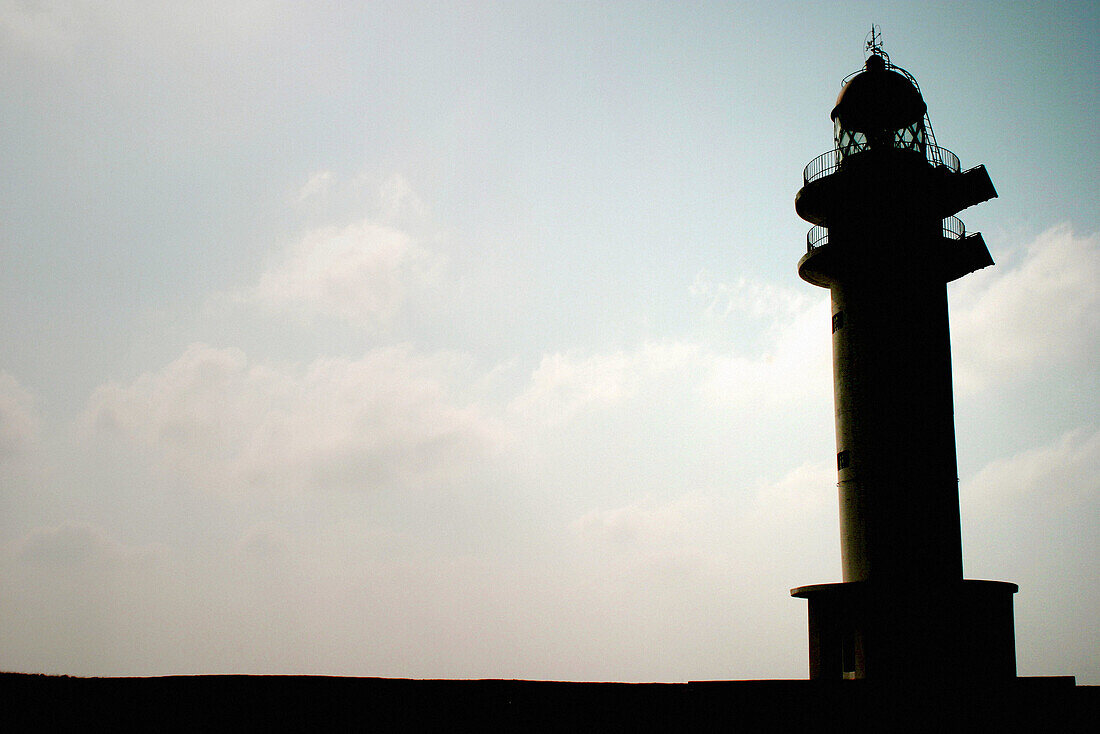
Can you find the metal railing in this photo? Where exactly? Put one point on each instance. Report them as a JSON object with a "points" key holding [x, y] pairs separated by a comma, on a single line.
{"points": [[818, 236], [823, 165], [954, 229], [829, 161], [938, 156]]}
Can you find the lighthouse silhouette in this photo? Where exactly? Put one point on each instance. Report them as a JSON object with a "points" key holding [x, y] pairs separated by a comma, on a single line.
{"points": [[885, 243]]}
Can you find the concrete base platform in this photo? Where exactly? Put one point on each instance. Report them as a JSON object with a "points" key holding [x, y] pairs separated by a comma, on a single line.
{"points": [[956, 631]]}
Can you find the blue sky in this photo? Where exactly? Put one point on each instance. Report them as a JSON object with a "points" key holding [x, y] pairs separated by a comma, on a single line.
{"points": [[465, 340]]}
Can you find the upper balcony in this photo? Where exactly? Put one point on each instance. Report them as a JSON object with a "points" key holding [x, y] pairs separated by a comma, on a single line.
{"points": [[831, 161]]}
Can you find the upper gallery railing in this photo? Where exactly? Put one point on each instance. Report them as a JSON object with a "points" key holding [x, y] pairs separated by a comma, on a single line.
{"points": [[829, 161]]}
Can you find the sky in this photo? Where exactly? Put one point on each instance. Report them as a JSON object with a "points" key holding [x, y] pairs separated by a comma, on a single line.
{"points": [[464, 339]]}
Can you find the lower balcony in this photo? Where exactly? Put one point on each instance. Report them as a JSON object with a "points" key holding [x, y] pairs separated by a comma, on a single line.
{"points": [[956, 254]]}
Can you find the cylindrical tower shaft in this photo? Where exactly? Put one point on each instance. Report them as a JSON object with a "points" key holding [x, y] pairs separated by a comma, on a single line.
{"points": [[899, 504]]}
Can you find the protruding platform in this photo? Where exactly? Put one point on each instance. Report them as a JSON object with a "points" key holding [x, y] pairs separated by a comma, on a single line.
{"points": [[866, 183], [961, 631], [951, 256]]}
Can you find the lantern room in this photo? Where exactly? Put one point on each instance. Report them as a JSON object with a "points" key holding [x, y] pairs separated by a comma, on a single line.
{"points": [[879, 108]]}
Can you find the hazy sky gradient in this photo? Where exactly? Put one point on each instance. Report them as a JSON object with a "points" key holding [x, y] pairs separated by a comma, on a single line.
{"points": [[465, 339]]}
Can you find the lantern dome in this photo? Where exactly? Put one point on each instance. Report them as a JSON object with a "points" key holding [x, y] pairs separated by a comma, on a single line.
{"points": [[879, 108], [878, 98]]}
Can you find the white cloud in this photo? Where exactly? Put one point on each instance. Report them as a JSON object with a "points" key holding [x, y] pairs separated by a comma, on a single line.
{"points": [[791, 366], [564, 385], [398, 200], [387, 419], [390, 200], [795, 372], [317, 185], [1030, 519], [694, 574], [362, 274], [19, 421], [663, 544], [1041, 311], [1058, 476], [796, 364], [739, 527], [747, 297]]}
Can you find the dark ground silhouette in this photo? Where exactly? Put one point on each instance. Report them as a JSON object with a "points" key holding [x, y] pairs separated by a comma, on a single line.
{"points": [[303, 703]]}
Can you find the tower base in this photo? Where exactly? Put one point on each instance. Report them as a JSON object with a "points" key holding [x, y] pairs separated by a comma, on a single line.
{"points": [[947, 631]]}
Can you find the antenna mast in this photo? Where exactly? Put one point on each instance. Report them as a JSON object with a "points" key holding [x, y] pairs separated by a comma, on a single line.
{"points": [[873, 43]]}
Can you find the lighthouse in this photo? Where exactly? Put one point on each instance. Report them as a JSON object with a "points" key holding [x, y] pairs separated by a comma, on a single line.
{"points": [[886, 242]]}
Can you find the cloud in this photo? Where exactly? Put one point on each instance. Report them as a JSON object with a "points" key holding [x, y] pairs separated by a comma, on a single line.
{"points": [[694, 574], [564, 385], [56, 27], [1040, 311], [390, 200], [398, 200], [796, 365], [388, 419], [77, 546], [1030, 518], [77, 600], [747, 297], [361, 274], [641, 523], [19, 421], [779, 352], [1057, 477], [49, 28], [790, 365], [317, 185], [361, 270], [726, 527]]}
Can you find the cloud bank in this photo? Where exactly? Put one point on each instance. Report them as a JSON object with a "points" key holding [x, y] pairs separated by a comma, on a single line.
{"points": [[388, 419]]}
